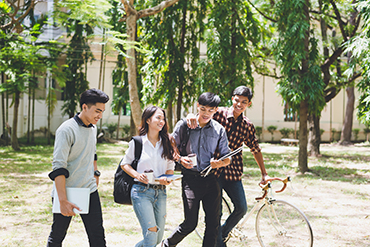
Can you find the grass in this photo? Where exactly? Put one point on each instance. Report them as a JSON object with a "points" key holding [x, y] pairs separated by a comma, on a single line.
{"points": [[334, 196]]}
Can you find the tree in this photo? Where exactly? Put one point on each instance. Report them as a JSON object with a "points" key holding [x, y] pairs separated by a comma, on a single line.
{"points": [[330, 16], [171, 71], [132, 15], [296, 52], [12, 14], [359, 46], [19, 59]]}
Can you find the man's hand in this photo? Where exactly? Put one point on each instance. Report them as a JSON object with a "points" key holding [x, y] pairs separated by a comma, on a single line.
{"points": [[219, 163], [265, 179], [186, 162], [66, 208], [97, 180], [191, 120]]}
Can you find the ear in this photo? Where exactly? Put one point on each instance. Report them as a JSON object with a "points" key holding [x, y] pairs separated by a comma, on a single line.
{"points": [[84, 107], [249, 104]]}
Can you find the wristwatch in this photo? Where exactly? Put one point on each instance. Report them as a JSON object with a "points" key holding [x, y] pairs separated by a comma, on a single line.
{"points": [[96, 173]]}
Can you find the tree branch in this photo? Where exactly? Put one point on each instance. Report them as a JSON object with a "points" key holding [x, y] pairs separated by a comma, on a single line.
{"points": [[332, 58], [20, 18], [261, 13], [128, 7], [156, 9], [260, 72], [356, 26], [340, 22]]}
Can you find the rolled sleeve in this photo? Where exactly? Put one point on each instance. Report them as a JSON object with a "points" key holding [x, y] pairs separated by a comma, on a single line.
{"points": [[252, 141], [223, 143], [176, 134], [62, 147], [129, 155]]}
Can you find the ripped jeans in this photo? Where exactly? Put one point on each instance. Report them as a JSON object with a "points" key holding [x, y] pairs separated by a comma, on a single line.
{"points": [[150, 209]]}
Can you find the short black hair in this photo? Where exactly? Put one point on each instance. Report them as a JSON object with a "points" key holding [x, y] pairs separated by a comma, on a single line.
{"points": [[243, 91], [209, 99], [93, 96]]}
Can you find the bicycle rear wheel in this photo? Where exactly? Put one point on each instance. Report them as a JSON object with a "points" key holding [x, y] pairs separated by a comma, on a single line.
{"points": [[280, 223], [226, 211]]}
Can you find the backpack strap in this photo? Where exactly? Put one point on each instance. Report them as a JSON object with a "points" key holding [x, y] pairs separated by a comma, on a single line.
{"points": [[138, 148], [185, 132]]}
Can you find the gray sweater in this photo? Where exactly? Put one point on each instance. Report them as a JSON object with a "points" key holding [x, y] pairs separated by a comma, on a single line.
{"points": [[74, 150]]}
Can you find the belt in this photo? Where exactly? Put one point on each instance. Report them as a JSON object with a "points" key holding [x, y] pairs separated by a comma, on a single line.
{"points": [[153, 186]]}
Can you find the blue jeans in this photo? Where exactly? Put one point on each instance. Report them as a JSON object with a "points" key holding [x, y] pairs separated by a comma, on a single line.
{"points": [[150, 209], [93, 222], [235, 190]]}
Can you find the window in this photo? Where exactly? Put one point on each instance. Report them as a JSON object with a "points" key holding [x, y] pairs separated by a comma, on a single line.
{"points": [[289, 113]]}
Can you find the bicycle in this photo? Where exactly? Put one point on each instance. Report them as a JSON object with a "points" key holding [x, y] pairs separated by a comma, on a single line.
{"points": [[278, 222]]}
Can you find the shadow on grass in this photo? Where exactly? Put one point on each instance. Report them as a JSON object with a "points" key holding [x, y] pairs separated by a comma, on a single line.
{"points": [[325, 167], [29, 159]]}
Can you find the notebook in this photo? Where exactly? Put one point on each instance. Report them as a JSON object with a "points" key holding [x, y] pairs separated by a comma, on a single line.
{"points": [[169, 177], [79, 196]]}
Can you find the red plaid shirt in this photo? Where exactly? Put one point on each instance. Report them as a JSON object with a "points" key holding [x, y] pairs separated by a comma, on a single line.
{"points": [[238, 131]]}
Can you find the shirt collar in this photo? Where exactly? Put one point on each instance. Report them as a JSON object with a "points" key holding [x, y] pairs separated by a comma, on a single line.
{"points": [[230, 114], [79, 121], [145, 139]]}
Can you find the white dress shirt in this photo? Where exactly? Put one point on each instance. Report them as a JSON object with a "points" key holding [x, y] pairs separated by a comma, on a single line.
{"points": [[150, 158]]}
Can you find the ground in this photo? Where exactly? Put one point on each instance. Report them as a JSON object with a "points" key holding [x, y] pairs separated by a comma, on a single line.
{"points": [[335, 196]]}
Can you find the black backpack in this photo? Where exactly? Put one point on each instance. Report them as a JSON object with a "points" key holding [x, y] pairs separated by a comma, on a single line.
{"points": [[122, 181], [185, 132]]}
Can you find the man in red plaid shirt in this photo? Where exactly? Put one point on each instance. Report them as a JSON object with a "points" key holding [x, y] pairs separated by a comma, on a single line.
{"points": [[239, 130]]}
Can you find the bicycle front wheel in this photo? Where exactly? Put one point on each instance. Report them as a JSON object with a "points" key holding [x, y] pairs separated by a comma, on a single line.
{"points": [[280, 223]]}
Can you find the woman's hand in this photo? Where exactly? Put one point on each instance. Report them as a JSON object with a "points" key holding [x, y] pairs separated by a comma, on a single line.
{"points": [[142, 178], [164, 181]]}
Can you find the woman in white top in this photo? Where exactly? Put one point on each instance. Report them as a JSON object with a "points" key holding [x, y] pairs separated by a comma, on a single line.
{"points": [[158, 154]]}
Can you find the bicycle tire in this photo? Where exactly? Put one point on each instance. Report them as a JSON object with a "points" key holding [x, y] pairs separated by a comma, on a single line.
{"points": [[201, 221], [280, 223]]}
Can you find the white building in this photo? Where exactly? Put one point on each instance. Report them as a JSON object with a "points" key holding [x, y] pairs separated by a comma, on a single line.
{"points": [[267, 106]]}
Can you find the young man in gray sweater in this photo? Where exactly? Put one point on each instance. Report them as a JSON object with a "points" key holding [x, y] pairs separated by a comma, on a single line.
{"points": [[75, 165]]}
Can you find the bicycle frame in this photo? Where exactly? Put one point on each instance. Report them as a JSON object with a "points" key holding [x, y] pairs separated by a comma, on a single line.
{"points": [[236, 232]]}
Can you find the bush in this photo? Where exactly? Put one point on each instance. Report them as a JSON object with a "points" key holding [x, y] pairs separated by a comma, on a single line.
{"points": [[355, 132], [125, 130], [285, 132], [271, 129], [112, 127], [258, 131]]}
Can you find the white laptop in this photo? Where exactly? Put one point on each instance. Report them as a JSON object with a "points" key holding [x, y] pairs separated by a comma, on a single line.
{"points": [[79, 196]]}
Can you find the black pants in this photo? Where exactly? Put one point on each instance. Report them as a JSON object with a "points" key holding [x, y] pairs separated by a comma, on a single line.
{"points": [[93, 222], [194, 190]]}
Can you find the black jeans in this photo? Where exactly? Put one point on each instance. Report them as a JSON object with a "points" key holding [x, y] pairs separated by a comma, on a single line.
{"points": [[93, 222], [194, 190]]}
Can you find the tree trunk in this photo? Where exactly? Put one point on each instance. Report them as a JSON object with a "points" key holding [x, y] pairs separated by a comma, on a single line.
{"points": [[170, 116], [314, 136], [33, 116], [133, 129], [48, 136], [302, 158], [182, 50], [119, 119], [15, 144], [5, 132], [28, 115], [303, 109], [345, 138], [131, 69]]}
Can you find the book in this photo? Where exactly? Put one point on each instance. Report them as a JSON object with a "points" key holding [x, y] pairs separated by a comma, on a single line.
{"points": [[78, 196], [169, 177], [205, 171]]}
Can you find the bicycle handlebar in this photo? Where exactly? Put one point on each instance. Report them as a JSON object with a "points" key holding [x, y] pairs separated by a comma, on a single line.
{"points": [[267, 186]]}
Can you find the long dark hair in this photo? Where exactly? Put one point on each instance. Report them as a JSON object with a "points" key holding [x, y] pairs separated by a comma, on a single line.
{"points": [[168, 144]]}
